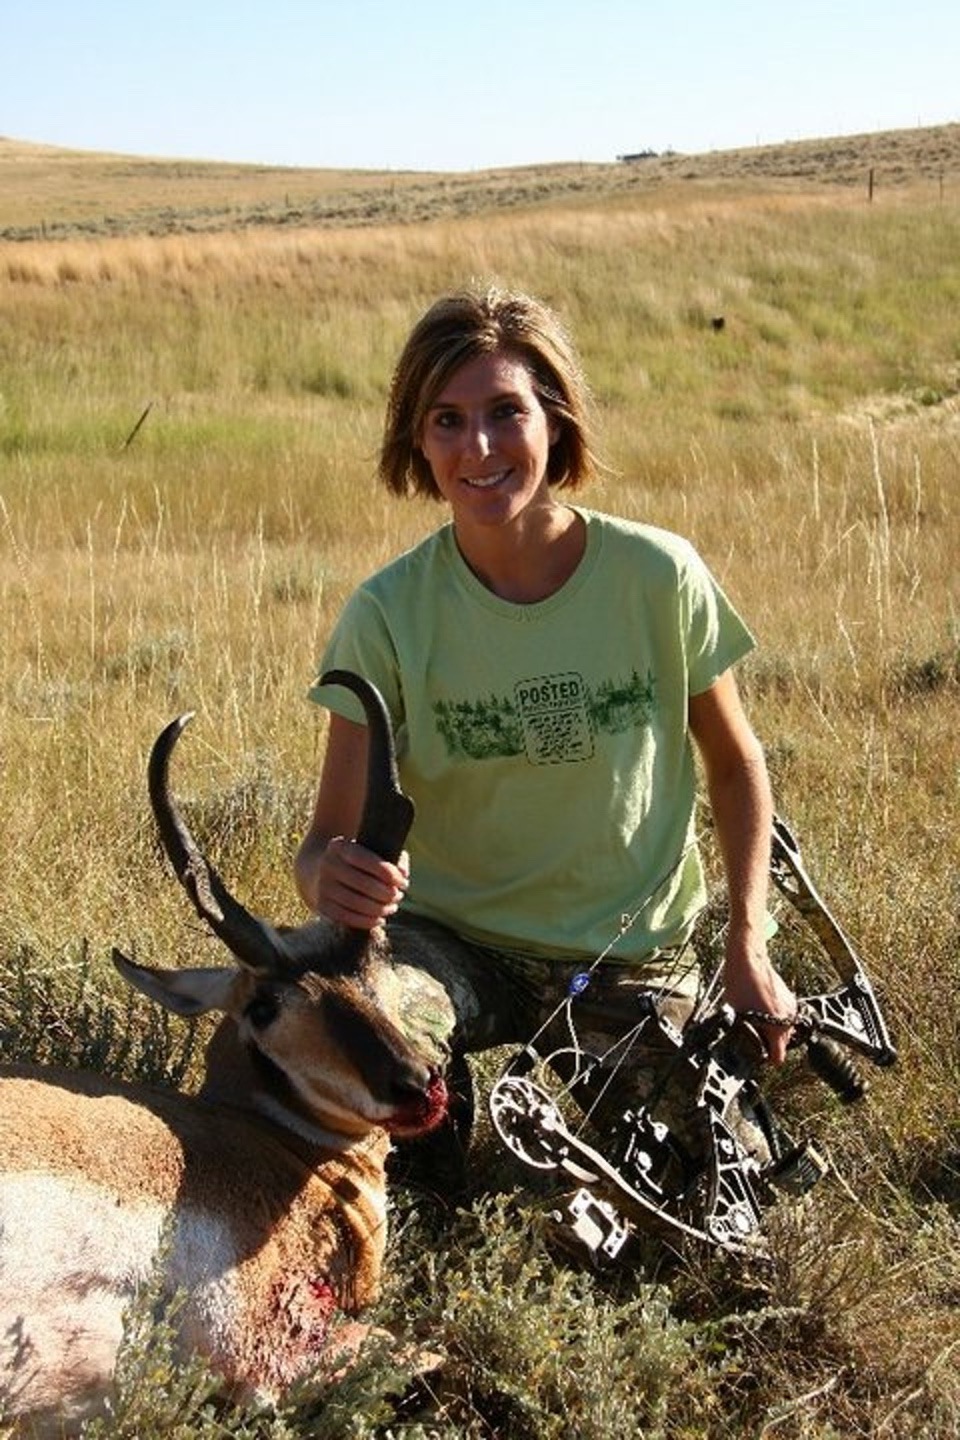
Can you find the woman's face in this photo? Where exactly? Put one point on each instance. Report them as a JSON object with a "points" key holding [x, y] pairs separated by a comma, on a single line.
{"points": [[487, 438]]}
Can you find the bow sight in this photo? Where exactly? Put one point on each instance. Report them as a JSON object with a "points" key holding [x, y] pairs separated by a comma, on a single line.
{"points": [[700, 1180]]}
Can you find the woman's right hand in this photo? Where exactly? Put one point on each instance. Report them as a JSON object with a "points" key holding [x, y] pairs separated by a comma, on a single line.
{"points": [[354, 887], [335, 876]]}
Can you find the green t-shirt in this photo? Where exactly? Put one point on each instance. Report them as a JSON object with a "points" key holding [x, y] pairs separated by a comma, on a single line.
{"points": [[546, 746]]}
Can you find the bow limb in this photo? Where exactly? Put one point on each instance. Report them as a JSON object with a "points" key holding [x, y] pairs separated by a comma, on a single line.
{"points": [[850, 1014], [532, 1127], [652, 1180]]}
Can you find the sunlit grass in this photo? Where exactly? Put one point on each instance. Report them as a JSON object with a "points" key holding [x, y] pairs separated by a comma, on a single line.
{"points": [[809, 447]]}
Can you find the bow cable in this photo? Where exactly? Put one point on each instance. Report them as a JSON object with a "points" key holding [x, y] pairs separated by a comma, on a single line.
{"points": [[584, 1061]]}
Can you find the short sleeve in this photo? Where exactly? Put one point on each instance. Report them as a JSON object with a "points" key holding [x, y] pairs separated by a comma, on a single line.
{"points": [[361, 642], [716, 636]]}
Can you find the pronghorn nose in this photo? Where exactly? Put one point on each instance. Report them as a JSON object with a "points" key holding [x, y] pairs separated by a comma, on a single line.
{"points": [[420, 1107], [411, 1080]]}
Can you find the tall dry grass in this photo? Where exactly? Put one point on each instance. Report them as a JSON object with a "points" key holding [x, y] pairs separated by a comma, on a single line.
{"points": [[809, 448]]}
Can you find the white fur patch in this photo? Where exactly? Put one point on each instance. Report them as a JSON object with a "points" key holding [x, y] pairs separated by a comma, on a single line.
{"points": [[72, 1257]]}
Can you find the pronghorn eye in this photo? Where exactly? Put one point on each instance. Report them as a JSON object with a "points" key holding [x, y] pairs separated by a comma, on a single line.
{"points": [[262, 1009]]}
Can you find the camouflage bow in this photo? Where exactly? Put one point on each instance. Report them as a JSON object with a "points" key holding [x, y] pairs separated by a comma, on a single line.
{"points": [[653, 1181]]}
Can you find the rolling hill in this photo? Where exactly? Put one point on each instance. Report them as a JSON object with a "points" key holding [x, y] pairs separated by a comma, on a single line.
{"points": [[48, 192]]}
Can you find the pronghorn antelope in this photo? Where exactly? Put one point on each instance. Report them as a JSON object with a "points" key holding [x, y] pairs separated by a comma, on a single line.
{"points": [[262, 1198]]}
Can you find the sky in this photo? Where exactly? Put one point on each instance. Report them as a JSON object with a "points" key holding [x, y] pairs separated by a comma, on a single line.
{"points": [[442, 85]]}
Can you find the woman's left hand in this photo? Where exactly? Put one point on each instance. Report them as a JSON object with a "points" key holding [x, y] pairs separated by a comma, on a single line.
{"points": [[751, 984]]}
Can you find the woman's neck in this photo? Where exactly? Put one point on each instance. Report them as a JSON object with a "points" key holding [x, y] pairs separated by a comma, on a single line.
{"points": [[530, 561]]}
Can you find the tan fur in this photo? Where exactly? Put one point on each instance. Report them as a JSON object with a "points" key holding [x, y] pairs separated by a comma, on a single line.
{"points": [[272, 1232]]}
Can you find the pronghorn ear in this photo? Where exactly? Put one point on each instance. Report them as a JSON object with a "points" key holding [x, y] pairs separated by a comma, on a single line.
{"points": [[185, 992]]}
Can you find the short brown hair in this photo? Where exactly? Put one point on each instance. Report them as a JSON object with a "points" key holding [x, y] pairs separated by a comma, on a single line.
{"points": [[459, 328]]}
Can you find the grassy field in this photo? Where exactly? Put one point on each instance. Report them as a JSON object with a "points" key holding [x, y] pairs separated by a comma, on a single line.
{"points": [[189, 413]]}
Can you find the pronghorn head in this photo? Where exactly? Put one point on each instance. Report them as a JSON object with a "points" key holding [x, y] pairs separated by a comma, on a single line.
{"points": [[313, 1007]]}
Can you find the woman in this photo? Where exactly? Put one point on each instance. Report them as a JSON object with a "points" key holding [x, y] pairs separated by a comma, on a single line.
{"points": [[546, 668]]}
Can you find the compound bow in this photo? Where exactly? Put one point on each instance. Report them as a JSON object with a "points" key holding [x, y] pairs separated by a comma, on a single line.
{"points": [[654, 1181]]}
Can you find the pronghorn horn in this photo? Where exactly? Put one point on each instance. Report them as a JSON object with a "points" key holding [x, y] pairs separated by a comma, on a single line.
{"points": [[384, 824], [254, 942], [387, 812]]}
